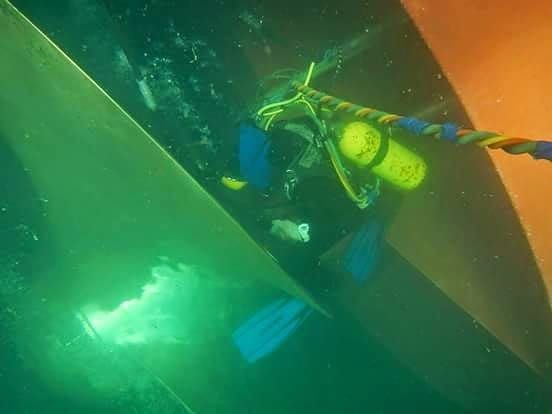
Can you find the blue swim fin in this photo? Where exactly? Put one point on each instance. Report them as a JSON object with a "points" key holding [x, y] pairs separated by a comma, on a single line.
{"points": [[268, 328], [363, 253]]}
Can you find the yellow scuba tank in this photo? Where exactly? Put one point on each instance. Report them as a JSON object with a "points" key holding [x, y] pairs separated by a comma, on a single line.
{"points": [[372, 148]]}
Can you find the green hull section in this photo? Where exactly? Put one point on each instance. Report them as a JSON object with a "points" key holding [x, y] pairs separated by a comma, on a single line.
{"points": [[129, 239]]}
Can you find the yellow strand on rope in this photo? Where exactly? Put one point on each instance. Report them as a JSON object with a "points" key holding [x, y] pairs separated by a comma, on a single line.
{"points": [[492, 140]]}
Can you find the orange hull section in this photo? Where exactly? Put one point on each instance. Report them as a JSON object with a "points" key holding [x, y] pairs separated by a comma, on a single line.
{"points": [[495, 55]]}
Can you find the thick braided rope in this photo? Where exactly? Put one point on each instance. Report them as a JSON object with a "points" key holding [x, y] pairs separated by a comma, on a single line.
{"points": [[450, 132]]}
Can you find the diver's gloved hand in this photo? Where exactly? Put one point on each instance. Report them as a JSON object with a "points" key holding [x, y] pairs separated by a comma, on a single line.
{"points": [[290, 231]]}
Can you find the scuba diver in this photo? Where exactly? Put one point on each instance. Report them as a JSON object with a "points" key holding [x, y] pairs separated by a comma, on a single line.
{"points": [[284, 185], [309, 185]]}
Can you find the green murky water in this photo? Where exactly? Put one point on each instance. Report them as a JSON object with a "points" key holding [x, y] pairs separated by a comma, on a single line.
{"points": [[123, 280]]}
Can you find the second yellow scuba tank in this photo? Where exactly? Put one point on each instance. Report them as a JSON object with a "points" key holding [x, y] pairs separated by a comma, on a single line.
{"points": [[371, 148]]}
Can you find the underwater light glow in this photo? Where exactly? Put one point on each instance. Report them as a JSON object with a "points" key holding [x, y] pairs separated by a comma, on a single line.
{"points": [[153, 317]]}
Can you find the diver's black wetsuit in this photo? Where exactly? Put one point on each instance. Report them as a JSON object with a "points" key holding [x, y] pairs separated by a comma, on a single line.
{"points": [[318, 199]]}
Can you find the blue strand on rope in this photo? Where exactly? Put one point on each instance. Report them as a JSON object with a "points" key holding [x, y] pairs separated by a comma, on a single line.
{"points": [[416, 126], [543, 151], [449, 132]]}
